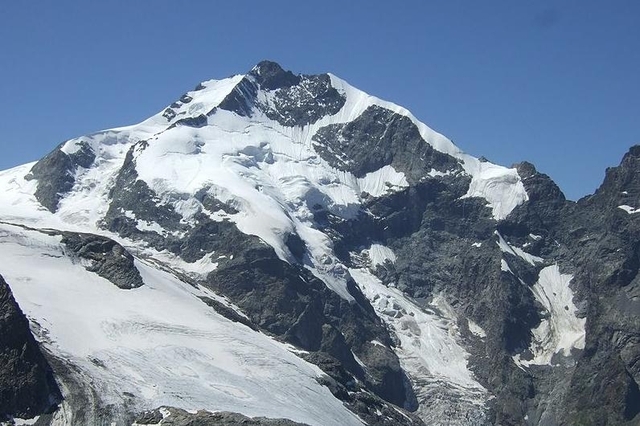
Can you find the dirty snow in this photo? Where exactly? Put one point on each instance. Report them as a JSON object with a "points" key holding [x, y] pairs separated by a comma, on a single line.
{"points": [[379, 254], [562, 330], [428, 351]]}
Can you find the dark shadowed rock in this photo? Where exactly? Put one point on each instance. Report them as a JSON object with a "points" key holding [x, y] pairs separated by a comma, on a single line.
{"points": [[55, 174], [27, 387], [105, 257], [288, 301], [178, 417], [294, 100], [270, 75], [377, 138]]}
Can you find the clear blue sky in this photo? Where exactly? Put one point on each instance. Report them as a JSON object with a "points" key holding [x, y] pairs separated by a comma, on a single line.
{"points": [[553, 82]]}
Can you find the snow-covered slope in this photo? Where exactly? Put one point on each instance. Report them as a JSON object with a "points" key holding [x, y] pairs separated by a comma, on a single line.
{"points": [[292, 162], [158, 344], [270, 173]]}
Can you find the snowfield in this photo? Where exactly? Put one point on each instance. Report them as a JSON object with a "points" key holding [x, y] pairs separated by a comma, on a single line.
{"points": [[561, 331], [159, 342]]}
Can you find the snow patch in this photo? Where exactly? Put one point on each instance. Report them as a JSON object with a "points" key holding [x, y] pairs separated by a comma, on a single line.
{"points": [[437, 173], [629, 209], [382, 181], [562, 330], [144, 225], [25, 422], [501, 187], [516, 251], [476, 330], [379, 254]]}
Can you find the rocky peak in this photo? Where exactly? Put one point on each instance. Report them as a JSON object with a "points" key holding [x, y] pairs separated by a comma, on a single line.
{"points": [[291, 100], [539, 186], [623, 182], [270, 76]]}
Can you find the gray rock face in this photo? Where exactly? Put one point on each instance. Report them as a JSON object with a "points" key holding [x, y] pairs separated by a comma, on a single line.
{"points": [[604, 388], [131, 196], [287, 301], [55, 174], [178, 417], [105, 257], [293, 100], [270, 76], [378, 138], [27, 386], [597, 242]]}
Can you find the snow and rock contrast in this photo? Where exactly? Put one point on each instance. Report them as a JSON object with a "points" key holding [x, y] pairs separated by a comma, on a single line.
{"points": [[275, 248]]}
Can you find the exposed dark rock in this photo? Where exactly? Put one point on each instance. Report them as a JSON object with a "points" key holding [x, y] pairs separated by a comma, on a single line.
{"points": [[295, 100], [27, 386], [270, 76], [228, 312], [105, 257], [198, 121], [606, 253], [304, 103], [288, 301], [377, 138], [178, 417], [55, 174], [132, 196], [169, 113], [242, 98]]}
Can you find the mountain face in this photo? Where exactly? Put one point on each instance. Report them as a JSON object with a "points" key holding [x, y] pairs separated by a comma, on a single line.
{"points": [[280, 249]]}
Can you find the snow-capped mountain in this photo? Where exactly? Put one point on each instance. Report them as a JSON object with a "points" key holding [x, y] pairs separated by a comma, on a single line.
{"points": [[290, 249]]}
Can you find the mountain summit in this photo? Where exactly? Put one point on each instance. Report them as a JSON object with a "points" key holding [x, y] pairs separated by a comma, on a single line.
{"points": [[289, 248]]}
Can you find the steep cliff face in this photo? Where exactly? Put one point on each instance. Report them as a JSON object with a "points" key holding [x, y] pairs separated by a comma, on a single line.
{"points": [[27, 387], [287, 246]]}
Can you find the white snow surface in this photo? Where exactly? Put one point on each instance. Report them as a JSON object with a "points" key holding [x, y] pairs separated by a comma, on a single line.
{"points": [[504, 266], [501, 187], [158, 342], [476, 329], [505, 247], [25, 422], [379, 254], [629, 209], [562, 330], [428, 351]]}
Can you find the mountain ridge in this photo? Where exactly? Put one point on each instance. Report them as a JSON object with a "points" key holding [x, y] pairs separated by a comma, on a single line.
{"points": [[417, 283]]}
